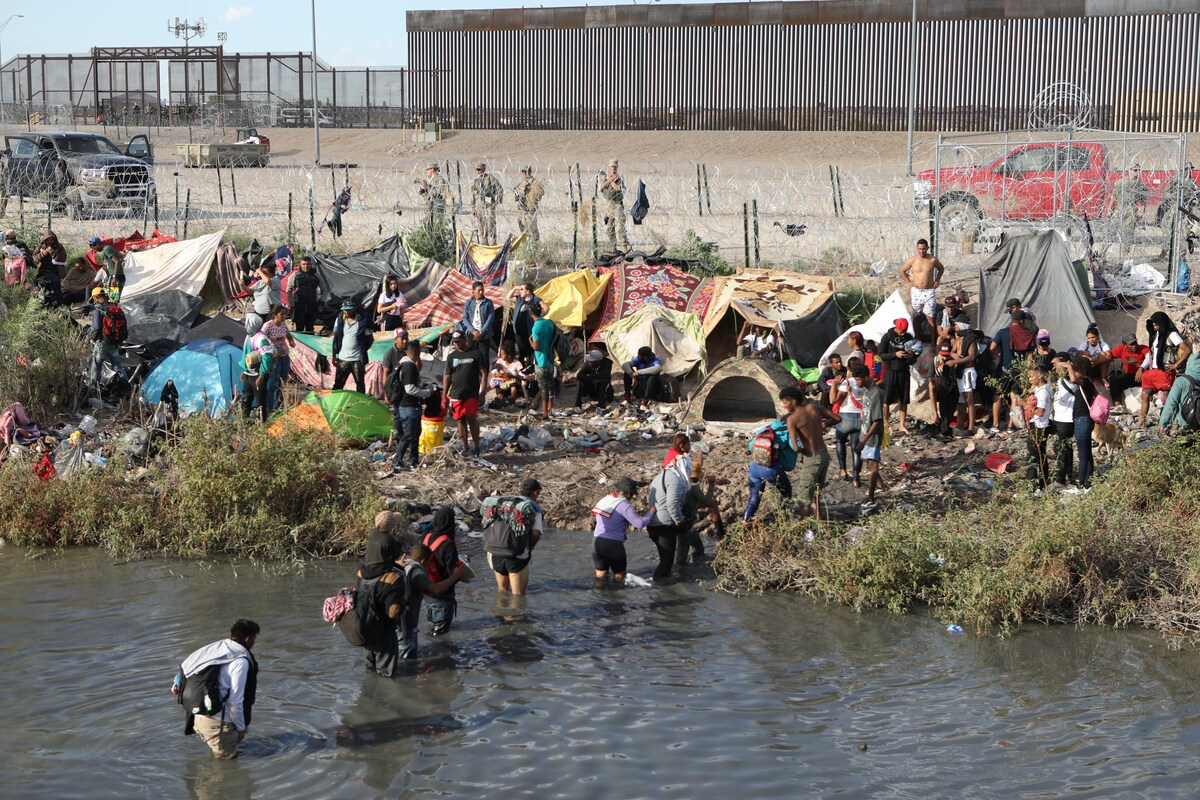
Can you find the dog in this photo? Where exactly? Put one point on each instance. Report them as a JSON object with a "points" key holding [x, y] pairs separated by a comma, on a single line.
{"points": [[1109, 438]]}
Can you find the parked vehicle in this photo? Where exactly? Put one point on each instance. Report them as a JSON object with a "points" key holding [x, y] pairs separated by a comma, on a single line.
{"points": [[80, 173], [250, 150], [1044, 180], [302, 117]]}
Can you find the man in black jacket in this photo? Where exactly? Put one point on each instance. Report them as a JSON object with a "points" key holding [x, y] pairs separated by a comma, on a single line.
{"points": [[304, 290]]}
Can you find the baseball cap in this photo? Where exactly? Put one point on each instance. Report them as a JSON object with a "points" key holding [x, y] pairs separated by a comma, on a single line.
{"points": [[1043, 335], [1012, 301], [1129, 339], [901, 324], [594, 356], [944, 347], [456, 336], [348, 305], [94, 240], [97, 292], [401, 333]]}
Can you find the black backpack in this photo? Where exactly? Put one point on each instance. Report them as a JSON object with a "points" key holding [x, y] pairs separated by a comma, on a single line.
{"points": [[200, 694], [363, 626], [1189, 409]]}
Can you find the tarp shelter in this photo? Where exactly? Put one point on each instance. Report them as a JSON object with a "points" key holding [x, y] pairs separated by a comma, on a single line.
{"points": [[177, 265], [677, 338], [312, 361], [204, 370], [134, 242], [219, 327], [359, 277], [636, 285], [486, 262], [572, 298], [803, 308], [420, 285], [739, 390], [445, 303], [349, 415], [161, 322], [1037, 270], [892, 309]]}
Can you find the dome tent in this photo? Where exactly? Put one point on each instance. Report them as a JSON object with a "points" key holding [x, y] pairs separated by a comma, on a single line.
{"points": [[205, 372]]}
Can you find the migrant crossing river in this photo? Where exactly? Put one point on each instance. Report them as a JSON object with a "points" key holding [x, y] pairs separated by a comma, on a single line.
{"points": [[665, 692]]}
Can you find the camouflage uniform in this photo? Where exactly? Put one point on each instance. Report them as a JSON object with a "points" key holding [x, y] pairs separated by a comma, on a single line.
{"points": [[435, 191], [613, 192], [486, 194], [1131, 194], [529, 193]]}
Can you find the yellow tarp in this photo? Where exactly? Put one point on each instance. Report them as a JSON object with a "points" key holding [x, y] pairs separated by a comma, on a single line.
{"points": [[572, 298], [676, 337], [482, 254]]}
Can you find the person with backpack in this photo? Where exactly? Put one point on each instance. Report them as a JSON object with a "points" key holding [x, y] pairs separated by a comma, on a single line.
{"points": [[108, 332], [381, 599], [402, 384], [773, 452], [217, 685], [1182, 407], [443, 562], [541, 339], [513, 527]]}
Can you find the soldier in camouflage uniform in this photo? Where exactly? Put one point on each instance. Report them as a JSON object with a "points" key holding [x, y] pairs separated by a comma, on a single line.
{"points": [[486, 194], [435, 191], [529, 193], [612, 189]]}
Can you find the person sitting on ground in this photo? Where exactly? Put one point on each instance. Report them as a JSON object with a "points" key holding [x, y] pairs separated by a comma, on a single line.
{"points": [[1043, 355], [615, 515], [541, 339], [507, 378], [416, 564], [18, 260], [237, 683], [594, 380], [773, 453], [50, 259], [757, 341], [1171, 416], [464, 376], [391, 305], [1167, 354], [443, 562], [642, 376], [352, 341], [897, 360], [870, 441], [1098, 352], [77, 284], [1128, 357], [478, 316]]}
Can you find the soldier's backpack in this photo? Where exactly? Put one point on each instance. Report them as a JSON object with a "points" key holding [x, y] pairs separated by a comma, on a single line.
{"points": [[113, 326], [508, 524]]}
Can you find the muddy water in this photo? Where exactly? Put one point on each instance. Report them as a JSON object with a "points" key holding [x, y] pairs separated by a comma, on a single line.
{"points": [[579, 692]]}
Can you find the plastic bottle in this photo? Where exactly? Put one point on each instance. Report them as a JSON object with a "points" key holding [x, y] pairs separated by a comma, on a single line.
{"points": [[88, 425]]}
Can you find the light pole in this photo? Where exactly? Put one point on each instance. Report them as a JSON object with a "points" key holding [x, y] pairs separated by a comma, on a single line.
{"points": [[187, 31], [316, 108], [2, 27], [912, 83]]}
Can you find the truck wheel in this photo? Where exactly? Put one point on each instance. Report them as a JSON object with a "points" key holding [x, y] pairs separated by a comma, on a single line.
{"points": [[957, 220]]}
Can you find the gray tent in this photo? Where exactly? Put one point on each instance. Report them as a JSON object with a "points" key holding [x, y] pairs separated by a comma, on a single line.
{"points": [[1037, 270]]}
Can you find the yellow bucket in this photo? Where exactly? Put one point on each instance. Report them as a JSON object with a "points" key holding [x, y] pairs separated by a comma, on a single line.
{"points": [[433, 433]]}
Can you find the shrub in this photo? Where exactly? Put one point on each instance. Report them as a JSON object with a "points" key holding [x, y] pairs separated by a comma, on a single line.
{"points": [[224, 489], [41, 355], [705, 255], [856, 304]]}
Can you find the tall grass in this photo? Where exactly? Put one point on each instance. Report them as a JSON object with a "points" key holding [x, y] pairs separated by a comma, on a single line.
{"points": [[41, 355], [1126, 554], [224, 489]]}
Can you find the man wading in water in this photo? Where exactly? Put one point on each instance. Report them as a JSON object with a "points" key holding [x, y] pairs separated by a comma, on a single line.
{"points": [[923, 274]]}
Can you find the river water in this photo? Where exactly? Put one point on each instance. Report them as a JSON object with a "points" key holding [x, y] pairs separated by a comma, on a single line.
{"points": [[579, 692]]}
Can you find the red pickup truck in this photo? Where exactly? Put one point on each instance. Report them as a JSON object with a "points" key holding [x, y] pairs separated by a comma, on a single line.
{"points": [[1042, 180]]}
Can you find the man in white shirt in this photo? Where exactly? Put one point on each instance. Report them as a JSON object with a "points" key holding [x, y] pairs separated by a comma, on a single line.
{"points": [[237, 684]]}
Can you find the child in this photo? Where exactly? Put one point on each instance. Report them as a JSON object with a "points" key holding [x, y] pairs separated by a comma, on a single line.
{"points": [[1039, 426], [419, 585]]}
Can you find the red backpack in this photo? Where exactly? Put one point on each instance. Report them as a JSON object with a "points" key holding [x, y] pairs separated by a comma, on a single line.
{"points": [[114, 326], [1020, 338], [435, 574]]}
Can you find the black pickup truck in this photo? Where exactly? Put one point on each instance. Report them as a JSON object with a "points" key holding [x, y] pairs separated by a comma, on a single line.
{"points": [[80, 173]]}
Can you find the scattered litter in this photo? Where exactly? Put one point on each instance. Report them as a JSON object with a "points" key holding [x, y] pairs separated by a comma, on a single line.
{"points": [[954, 629]]}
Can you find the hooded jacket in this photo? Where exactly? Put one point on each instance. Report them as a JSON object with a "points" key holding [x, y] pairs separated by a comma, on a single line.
{"points": [[237, 679]]}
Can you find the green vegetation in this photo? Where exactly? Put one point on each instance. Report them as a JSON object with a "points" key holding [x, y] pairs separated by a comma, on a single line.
{"points": [[40, 355], [223, 489], [433, 239], [1127, 553], [857, 304], [706, 254]]}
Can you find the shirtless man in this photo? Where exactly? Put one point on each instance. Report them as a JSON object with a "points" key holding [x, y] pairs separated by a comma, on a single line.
{"points": [[923, 274], [806, 427]]}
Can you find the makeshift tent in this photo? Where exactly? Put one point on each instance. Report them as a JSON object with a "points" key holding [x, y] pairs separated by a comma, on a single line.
{"points": [[160, 322], [204, 371], [486, 262], [1037, 270], [421, 285], [892, 309], [132, 243], [312, 358], [349, 415], [803, 308], [636, 285], [572, 298], [739, 390], [675, 337], [358, 277], [176, 265], [219, 327], [445, 303]]}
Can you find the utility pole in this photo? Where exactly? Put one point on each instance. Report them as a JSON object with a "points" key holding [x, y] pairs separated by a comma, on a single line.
{"points": [[182, 29], [912, 82], [316, 107]]}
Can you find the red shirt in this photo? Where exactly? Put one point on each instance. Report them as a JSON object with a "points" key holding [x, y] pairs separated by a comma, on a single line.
{"points": [[1130, 356]]}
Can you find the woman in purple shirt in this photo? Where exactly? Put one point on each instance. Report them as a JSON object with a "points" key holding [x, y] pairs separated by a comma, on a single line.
{"points": [[614, 515]]}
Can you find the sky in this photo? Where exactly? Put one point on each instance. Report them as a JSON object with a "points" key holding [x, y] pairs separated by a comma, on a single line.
{"points": [[350, 33]]}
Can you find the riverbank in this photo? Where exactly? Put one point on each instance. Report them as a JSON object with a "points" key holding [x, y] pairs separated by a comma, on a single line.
{"points": [[1125, 554]]}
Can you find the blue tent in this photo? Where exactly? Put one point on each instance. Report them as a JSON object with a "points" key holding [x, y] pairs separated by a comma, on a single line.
{"points": [[204, 368]]}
